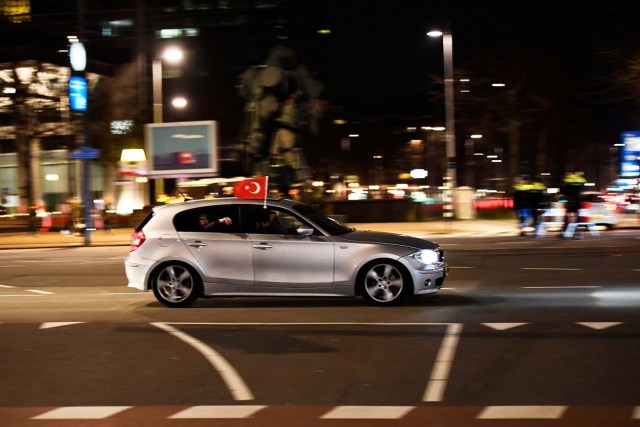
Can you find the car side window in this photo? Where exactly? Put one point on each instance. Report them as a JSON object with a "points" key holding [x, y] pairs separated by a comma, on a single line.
{"points": [[213, 219], [271, 221]]}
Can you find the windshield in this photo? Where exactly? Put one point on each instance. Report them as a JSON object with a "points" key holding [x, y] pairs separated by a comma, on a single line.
{"points": [[329, 225]]}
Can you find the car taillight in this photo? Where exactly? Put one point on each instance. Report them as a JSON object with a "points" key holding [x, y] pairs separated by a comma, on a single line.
{"points": [[137, 239]]}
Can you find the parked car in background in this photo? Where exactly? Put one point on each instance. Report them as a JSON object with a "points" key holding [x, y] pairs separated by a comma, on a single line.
{"points": [[301, 253], [596, 208]]}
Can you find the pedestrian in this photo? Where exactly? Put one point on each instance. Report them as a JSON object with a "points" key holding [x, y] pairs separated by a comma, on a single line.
{"points": [[539, 202], [572, 189], [33, 220], [521, 204]]}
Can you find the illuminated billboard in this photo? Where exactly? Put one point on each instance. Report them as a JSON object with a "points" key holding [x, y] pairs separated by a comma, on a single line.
{"points": [[182, 149]]}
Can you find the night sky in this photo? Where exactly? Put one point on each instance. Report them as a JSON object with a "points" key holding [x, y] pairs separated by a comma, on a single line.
{"points": [[378, 63]]}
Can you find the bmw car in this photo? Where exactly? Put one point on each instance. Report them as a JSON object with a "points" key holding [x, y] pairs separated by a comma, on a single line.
{"points": [[274, 247]]}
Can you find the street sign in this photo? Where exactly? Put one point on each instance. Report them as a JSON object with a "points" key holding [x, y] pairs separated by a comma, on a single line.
{"points": [[85, 152], [78, 93]]}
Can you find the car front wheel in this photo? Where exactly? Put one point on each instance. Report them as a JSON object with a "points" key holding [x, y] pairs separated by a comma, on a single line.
{"points": [[176, 285], [383, 283]]}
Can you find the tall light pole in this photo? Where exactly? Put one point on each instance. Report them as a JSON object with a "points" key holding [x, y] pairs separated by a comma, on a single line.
{"points": [[172, 55], [450, 136]]}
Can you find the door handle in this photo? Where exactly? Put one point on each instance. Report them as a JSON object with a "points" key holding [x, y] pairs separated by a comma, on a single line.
{"points": [[197, 244], [262, 246]]}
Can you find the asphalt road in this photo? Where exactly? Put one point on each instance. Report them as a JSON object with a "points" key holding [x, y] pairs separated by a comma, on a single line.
{"points": [[525, 332]]}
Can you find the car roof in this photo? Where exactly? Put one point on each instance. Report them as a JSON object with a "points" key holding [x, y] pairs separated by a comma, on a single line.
{"points": [[221, 201]]}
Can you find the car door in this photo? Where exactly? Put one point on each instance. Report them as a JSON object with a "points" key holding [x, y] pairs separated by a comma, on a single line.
{"points": [[224, 253], [288, 260]]}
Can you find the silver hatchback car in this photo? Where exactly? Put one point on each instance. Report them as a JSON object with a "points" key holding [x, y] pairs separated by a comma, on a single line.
{"points": [[240, 247]]}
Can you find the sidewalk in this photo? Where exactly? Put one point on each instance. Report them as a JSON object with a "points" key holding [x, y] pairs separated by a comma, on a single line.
{"points": [[121, 236]]}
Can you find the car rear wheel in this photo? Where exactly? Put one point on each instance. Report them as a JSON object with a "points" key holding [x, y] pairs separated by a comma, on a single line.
{"points": [[176, 285], [383, 282]]}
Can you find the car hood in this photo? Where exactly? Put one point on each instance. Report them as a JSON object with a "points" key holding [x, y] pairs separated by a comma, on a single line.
{"points": [[365, 236]]}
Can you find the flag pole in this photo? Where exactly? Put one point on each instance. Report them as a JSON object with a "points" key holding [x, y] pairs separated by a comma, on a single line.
{"points": [[266, 190]]}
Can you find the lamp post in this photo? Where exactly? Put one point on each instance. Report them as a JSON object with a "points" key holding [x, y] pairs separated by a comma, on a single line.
{"points": [[172, 55], [427, 166], [450, 137]]}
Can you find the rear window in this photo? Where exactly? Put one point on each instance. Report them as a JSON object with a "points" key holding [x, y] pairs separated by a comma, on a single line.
{"points": [[145, 221]]}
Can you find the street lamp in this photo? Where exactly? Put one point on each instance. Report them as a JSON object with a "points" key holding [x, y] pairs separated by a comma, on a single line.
{"points": [[450, 184]]}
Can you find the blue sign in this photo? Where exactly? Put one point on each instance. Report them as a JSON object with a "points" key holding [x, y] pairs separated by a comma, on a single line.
{"points": [[630, 156], [78, 93], [85, 152]]}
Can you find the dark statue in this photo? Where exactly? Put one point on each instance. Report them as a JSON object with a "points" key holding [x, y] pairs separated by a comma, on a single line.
{"points": [[281, 98]]}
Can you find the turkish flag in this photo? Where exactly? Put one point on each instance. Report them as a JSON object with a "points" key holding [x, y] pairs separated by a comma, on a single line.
{"points": [[252, 188]]}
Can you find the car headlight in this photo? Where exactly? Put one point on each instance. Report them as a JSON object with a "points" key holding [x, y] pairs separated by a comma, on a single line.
{"points": [[425, 256]]}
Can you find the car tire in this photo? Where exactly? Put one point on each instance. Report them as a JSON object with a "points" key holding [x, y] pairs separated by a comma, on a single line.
{"points": [[176, 285], [383, 282]]}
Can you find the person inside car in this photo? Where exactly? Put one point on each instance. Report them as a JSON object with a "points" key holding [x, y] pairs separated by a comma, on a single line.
{"points": [[268, 222], [217, 225]]}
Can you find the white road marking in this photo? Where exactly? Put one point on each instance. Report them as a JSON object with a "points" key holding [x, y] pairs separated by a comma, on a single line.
{"points": [[21, 295], [48, 325], [451, 266], [126, 293], [503, 326], [7, 286], [36, 291], [551, 269], [367, 412], [219, 411], [522, 412], [81, 413], [560, 287], [442, 365], [599, 325], [229, 375], [12, 265]]}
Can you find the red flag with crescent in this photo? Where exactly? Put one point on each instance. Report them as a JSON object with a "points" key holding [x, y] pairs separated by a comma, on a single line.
{"points": [[252, 188]]}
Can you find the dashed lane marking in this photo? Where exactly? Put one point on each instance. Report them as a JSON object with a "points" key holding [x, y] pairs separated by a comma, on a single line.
{"points": [[37, 291], [81, 413], [367, 412], [507, 413], [220, 411], [551, 268], [562, 287], [49, 325], [522, 412]]}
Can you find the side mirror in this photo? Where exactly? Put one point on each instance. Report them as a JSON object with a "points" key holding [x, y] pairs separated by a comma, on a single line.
{"points": [[304, 230]]}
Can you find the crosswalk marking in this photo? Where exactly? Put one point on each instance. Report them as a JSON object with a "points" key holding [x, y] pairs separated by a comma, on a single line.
{"points": [[81, 413], [522, 412], [220, 411], [368, 412]]}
